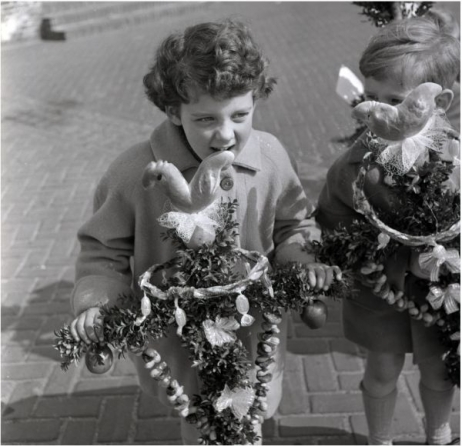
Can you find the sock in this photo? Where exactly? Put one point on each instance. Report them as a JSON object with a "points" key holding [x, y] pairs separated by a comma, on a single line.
{"points": [[379, 416], [437, 406]]}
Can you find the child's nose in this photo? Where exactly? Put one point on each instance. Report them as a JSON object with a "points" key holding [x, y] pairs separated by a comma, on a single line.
{"points": [[225, 132]]}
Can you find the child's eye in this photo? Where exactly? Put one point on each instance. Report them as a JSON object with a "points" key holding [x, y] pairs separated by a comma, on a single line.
{"points": [[205, 119], [241, 115]]}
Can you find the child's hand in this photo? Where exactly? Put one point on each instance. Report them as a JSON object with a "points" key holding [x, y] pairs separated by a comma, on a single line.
{"points": [[416, 269], [87, 326], [372, 276], [321, 276]]}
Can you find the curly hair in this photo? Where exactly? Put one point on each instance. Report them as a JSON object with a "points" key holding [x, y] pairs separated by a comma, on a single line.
{"points": [[413, 51], [220, 59]]}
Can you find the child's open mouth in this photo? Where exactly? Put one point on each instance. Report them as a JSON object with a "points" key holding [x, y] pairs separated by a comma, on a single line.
{"points": [[222, 149]]}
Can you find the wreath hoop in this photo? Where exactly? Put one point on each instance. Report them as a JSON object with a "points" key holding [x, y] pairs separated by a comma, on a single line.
{"points": [[362, 205]]}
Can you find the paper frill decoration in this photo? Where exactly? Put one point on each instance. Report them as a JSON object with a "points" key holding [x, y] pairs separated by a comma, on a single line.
{"points": [[239, 400], [221, 331]]}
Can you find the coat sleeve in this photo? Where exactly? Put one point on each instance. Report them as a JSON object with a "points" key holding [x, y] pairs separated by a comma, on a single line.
{"points": [[293, 226], [103, 270]]}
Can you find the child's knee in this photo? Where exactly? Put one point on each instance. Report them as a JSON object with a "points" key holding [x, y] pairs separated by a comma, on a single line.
{"points": [[433, 374], [382, 372]]}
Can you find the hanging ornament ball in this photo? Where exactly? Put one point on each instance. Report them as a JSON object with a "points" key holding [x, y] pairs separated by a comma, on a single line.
{"points": [[199, 237], [315, 314], [99, 360]]}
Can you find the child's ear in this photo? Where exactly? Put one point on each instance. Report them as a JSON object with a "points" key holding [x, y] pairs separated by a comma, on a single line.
{"points": [[173, 113], [444, 99]]}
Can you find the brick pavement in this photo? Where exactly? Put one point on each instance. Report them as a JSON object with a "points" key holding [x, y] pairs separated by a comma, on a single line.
{"points": [[67, 110]]}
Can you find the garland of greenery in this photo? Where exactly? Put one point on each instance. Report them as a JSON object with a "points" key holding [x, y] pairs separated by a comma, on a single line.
{"points": [[426, 218], [381, 13], [204, 300]]}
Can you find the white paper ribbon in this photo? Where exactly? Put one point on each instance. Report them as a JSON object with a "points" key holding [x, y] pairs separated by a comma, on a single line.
{"points": [[433, 260], [209, 219], [449, 298], [399, 157]]}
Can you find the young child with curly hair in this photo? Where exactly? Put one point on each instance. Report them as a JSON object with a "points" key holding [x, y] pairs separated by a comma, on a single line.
{"points": [[401, 56], [207, 80]]}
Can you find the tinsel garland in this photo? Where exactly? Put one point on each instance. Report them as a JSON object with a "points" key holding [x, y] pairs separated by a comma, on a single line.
{"points": [[207, 300], [425, 216]]}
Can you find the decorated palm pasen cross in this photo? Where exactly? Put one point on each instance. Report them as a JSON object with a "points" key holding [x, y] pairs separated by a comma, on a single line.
{"points": [[413, 161], [207, 299]]}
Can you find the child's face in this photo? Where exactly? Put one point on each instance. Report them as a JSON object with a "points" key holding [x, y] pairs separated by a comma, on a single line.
{"points": [[212, 125], [386, 91]]}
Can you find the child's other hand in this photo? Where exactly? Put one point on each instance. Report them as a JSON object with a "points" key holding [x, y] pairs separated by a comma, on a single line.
{"points": [[321, 276], [416, 269], [87, 326], [372, 276]]}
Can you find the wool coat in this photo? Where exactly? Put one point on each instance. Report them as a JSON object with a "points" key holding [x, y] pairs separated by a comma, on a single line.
{"points": [[122, 238], [367, 319]]}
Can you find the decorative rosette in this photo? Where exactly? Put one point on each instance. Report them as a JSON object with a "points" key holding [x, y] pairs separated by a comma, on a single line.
{"points": [[209, 219], [398, 157]]}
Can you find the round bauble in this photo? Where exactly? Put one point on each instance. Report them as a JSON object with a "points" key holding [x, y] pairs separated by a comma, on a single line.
{"points": [[99, 360], [315, 314]]}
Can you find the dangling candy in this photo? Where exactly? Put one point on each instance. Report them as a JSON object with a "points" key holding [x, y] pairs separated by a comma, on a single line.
{"points": [[180, 318], [243, 306], [145, 310], [247, 320], [383, 240]]}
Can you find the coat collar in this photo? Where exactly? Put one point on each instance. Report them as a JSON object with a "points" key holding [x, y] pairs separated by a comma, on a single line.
{"points": [[168, 144], [358, 150]]}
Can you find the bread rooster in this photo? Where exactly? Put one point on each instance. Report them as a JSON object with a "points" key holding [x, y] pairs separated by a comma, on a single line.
{"points": [[199, 193], [396, 123]]}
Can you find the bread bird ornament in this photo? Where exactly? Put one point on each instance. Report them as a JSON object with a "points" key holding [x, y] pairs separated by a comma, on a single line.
{"points": [[193, 209], [398, 122], [405, 133]]}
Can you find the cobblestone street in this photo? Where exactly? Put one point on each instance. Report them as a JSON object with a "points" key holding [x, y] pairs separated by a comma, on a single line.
{"points": [[68, 109]]}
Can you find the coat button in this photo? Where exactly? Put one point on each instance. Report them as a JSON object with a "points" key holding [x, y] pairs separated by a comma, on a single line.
{"points": [[227, 183]]}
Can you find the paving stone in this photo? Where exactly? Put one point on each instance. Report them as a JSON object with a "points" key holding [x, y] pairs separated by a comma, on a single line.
{"points": [[311, 425], [161, 429], [336, 403], [293, 399], [116, 419], [107, 386], [150, 407], [319, 373], [307, 346], [72, 406], [30, 431], [79, 432], [20, 372]]}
